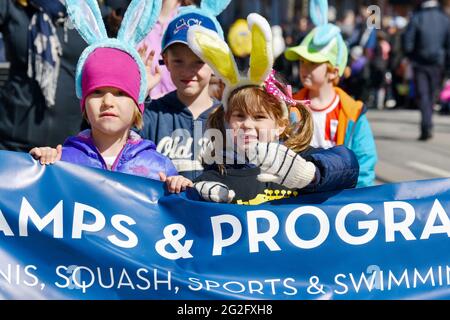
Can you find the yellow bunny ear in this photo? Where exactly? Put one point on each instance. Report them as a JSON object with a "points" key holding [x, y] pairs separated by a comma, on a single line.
{"points": [[261, 57], [207, 45]]}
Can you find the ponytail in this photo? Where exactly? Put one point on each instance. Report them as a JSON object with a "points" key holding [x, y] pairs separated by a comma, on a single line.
{"points": [[298, 135]]}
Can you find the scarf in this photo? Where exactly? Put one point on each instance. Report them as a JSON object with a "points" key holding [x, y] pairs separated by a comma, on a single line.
{"points": [[44, 48]]}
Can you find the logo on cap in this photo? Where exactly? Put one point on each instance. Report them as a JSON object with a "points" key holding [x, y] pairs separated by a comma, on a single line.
{"points": [[184, 24]]}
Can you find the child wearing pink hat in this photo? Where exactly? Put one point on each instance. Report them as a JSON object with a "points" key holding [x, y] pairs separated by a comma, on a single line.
{"points": [[111, 84]]}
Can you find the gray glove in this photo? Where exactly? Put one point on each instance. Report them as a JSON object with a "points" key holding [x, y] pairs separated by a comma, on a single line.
{"points": [[281, 165], [214, 191]]}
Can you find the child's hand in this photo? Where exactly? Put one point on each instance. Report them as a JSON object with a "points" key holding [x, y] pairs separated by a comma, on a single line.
{"points": [[214, 191], [281, 165], [47, 155], [152, 78], [175, 184]]}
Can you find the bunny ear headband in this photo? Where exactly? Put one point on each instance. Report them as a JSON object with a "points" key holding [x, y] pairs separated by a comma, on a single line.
{"points": [[139, 19], [326, 38], [215, 52], [324, 43], [326, 32]]}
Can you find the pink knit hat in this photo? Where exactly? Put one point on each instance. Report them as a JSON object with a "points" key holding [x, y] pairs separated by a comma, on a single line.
{"points": [[110, 67]]}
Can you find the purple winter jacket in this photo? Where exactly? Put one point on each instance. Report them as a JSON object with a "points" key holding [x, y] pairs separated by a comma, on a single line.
{"points": [[138, 157]]}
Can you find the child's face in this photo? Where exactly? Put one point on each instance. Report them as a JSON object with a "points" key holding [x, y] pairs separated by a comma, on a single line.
{"points": [[110, 110], [249, 129], [313, 75], [188, 72]]}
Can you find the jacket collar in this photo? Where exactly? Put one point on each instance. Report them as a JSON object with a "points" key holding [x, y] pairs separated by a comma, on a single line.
{"points": [[351, 108], [135, 144]]}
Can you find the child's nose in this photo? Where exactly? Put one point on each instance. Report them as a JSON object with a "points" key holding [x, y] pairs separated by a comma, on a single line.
{"points": [[108, 99], [189, 72], [248, 123]]}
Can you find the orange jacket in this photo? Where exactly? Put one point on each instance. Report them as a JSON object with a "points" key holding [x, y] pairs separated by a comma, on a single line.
{"points": [[351, 110]]}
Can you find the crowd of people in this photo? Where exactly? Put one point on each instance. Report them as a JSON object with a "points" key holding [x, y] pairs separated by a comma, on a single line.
{"points": [[162, 96], [394, 62]]}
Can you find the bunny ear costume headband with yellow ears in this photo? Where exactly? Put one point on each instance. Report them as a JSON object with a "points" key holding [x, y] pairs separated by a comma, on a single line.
{"points": [[138, 20], [215, 52]]}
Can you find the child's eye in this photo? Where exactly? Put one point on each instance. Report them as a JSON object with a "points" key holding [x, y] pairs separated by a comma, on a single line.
{"points": [[261, 117], [98, 91], [121, 93]]}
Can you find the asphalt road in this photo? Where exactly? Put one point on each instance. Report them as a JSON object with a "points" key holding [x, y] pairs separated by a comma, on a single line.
{"points": [[401, 156]]}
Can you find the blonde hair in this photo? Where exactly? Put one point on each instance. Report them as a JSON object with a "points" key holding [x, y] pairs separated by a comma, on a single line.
{"points": [[252, 100], [138, 121], [330, 69]]}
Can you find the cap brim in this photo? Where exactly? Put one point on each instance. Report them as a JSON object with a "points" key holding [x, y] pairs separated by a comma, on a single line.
{"points": [[302, 52], [173, 42]]}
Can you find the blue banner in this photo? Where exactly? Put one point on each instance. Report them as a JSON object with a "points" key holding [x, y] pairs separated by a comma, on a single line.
{"points": [[71, 232]]}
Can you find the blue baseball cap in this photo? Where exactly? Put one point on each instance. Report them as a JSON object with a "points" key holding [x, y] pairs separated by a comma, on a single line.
{"points": [[177, 29]]}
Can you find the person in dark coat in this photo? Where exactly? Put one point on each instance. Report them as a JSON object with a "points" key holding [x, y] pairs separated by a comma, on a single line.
{"points": [[38, 105], [427, 43]]}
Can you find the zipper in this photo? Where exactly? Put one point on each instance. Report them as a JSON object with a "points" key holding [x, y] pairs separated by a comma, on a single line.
{"points": [[114, 165], [105, 166]]}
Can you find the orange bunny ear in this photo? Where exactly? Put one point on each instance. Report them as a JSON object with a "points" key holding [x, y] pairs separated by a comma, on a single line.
{"points": [[261, 57]]}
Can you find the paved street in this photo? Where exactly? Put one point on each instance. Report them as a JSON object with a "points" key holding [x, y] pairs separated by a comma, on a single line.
{"points": [[401, 156]]}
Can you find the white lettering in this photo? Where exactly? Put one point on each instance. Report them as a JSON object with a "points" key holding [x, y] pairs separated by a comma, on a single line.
{"points": [[255, 237], [437, 211], [402, 226], [4, 226], [78, 220], [371, 226], [219, 242], [28, 213], [132, 239], [321, 236]]}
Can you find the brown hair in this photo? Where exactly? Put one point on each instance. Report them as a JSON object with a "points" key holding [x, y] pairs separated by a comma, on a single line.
{"points": [[188, 2], [216, 87], [253, 99]]}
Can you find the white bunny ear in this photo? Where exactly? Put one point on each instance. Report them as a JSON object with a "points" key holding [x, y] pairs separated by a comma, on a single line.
{"points": [[215, 7], [261, 57], [208, 45], [87, 19], [139, 19]]}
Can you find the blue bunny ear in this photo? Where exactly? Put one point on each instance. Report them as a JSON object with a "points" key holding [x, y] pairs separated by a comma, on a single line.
{"points": [[139, 19], [318, 11], [214, 7], [326, 33], [87, 19]]}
